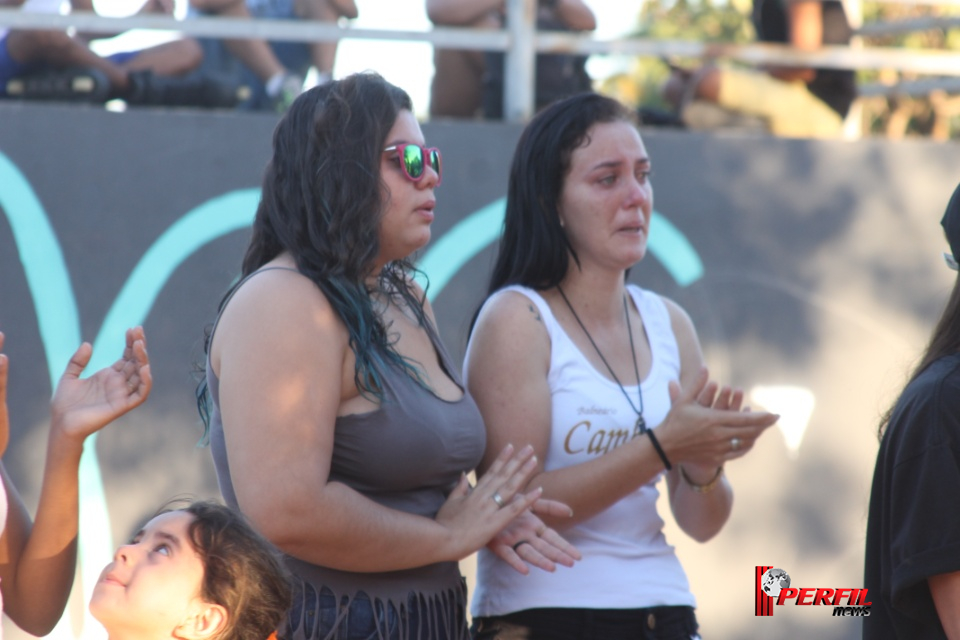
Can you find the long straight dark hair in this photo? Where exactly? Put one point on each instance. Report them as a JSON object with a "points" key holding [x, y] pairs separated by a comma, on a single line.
{"points": [[322, 202], [944, 341], [534, 248]]}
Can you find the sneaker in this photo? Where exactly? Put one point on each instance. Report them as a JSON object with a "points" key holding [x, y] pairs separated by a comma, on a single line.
{"points": [[290, 88], [72, 85], [147, 88]]}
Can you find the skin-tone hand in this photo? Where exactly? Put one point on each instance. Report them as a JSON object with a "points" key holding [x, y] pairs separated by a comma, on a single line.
{"points": [[698, 435], [721, 399], [82, 406], [473, 516], [526, 539]]}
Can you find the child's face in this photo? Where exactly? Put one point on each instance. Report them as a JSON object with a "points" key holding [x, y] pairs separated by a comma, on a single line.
{"points": [[153, 584]]}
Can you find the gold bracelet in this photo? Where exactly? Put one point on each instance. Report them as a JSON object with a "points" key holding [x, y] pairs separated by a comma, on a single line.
{"points": [[703, 488]]}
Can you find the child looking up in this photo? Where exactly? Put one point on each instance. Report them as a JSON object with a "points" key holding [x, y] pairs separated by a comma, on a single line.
{"points": [[198, 573], [38, 559]]}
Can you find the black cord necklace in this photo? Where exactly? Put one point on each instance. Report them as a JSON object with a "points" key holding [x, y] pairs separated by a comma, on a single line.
{"points": [[641, 426]]}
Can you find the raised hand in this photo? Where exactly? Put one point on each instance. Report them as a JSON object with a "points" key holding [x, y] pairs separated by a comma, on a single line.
{"points": [[475, 515], [81, 407], [526, 539]]}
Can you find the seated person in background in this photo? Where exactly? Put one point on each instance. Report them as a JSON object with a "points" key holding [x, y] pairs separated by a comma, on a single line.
{"points": [[197, 573], [38, 559], [274, 71], [467, 84], [793, 101], [56, 66]]}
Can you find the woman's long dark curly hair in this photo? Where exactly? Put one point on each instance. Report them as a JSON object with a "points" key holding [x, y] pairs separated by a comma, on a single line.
{"points": [[322, 202]]}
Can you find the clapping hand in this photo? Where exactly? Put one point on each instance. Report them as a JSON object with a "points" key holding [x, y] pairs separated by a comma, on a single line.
{"points": [[474, 515], [526, 539], [707, 427]]}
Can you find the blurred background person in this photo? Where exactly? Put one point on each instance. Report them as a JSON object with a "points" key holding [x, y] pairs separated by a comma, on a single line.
{"points": [[273, 72], [791, 101], [53, 65], [469, 84]]}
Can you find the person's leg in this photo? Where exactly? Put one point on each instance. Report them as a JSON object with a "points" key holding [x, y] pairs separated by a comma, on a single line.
{"points": [[323, 54], [8, 66], [255, 54], [457, 87], [57, 49], [175, 58]]}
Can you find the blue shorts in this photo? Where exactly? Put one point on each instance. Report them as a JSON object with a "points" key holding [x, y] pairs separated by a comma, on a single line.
{"points": [[10, 68]]}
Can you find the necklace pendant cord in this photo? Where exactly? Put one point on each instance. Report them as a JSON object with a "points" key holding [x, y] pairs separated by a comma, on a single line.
{"points": [[641, 427], [639, 411]]}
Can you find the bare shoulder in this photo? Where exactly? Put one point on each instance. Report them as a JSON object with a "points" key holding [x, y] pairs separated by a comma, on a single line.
{"points": [[512, 310], [679, 318], [420, 294], [280, 308], [691, 356], [510, 326]]}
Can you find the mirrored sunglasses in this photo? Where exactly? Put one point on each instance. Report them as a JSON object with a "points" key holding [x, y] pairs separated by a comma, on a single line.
{"points": [[413, 159]]}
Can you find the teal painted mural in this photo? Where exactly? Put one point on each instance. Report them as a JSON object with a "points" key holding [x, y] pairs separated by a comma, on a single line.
{"points": [[49, 282]]}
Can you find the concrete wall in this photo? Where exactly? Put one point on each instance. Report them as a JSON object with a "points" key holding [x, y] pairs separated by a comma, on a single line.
{"points": [[811, 270]]}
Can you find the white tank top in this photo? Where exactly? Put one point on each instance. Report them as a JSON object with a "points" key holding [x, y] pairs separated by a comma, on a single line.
{"points": [[627, 562]]}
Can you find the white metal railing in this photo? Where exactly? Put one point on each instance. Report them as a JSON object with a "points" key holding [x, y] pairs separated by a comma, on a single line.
{"points": [[520, 40]]}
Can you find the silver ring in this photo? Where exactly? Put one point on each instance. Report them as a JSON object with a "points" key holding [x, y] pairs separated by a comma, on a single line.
{"points": [[734, 444], [498, 499]]}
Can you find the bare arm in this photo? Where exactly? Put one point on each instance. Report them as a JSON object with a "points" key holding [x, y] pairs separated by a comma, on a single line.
{"points": [[576, 15], [701, 515], [508, 378], [37, 560], [945, 589], [805, 18], [461, 13], [285, 367]]}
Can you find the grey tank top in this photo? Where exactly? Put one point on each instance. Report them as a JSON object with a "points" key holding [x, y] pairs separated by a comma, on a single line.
{"points": [[407, 454]]}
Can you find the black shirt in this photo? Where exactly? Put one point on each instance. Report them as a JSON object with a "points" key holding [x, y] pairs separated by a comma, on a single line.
{"points": [[913, 528]]}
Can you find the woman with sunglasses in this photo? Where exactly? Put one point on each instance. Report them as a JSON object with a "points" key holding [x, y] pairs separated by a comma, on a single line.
{"points": [[605, 380], [339, 425]]}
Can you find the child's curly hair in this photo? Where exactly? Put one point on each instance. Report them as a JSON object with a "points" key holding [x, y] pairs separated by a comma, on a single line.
{"points": [[243, 572]]}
